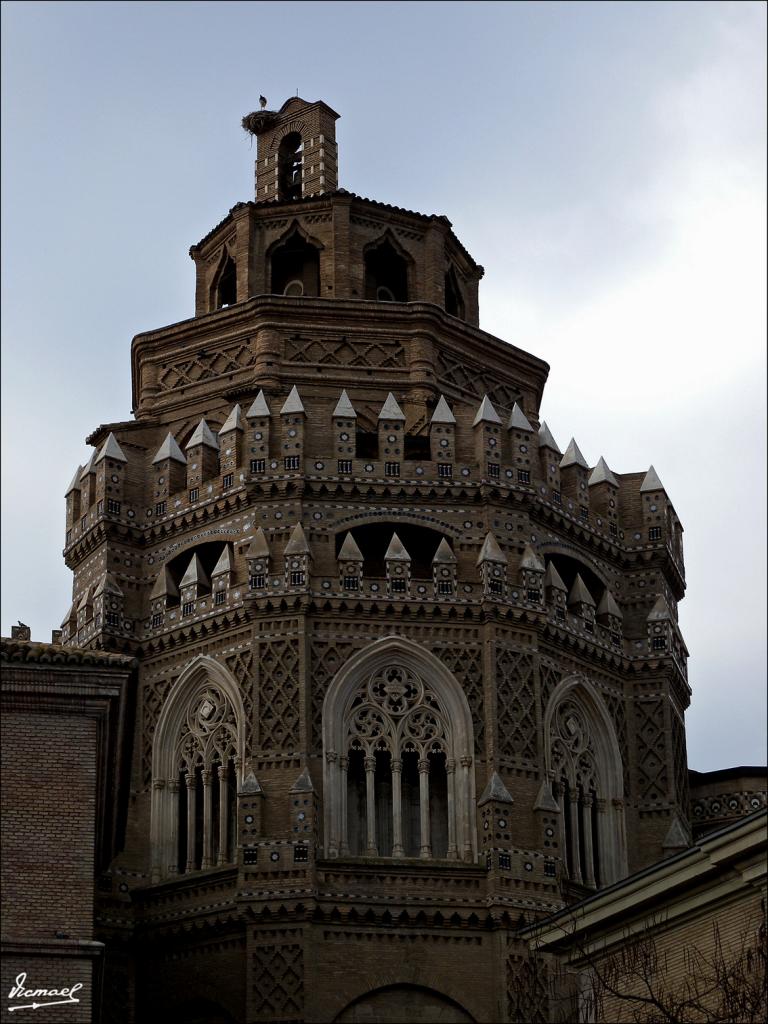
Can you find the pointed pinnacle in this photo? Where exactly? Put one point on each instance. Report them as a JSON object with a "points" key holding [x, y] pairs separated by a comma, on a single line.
{"points": [[234, 421], [391, 410], [490, 551], [518, 420], [349, 551], [297, 542], [573, 457], [486, 413], [258, 407], [546, 440], [396, 552], [202, 436], [292, 403], [601, 474], [111, 450], [651, 481], [442, 413], [444, 553], [169, 449], [344, 408]]}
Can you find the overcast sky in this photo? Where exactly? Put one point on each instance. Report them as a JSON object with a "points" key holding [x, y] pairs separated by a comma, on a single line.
{"points": [[605, 162]]}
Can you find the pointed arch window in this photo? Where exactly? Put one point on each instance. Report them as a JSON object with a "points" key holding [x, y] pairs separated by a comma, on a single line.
{"points": [[397, 736], [585, 768], [454, 300], [196, 767], [290, 158], [225, 284], [295, 267], [386, 273]]}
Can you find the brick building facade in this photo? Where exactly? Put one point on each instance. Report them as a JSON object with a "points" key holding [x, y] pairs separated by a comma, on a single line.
{"points": [[410, 676]]}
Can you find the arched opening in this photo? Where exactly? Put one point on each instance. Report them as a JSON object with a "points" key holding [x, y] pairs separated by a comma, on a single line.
{"points": [[404, 1004], [290, 157], [295, 264], [386, 273], [373, 539], [584, 764], [397, 734], [196, 758], [224, 287], [454, 300], [568, 568]]}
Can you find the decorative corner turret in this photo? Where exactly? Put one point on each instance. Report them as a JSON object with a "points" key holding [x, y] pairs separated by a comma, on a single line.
{"points": [[391, 430], [397, 563], [444, 570], [293, 417], [581, 603], [521, 440], [231, 446], [298, 560], [487, 428], [604, 495], [532, 571], [549, 461], [169, 468], [257, 557], [344, 427], [574, 477], [194, 585], [555, 592], [258, 417], [350, 559], [202, 459], [442, 438], [493, 567]]}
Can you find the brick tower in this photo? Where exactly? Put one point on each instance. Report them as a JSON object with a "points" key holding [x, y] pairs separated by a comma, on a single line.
{"points": [[410, 676]]}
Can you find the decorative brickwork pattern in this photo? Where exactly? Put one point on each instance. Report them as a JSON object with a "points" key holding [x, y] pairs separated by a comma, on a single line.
{"points": [[382, 354], [278, 982], [527, 991], [652, 772], [278, 712], [550, 676], [327, 657], [241, 667], [618, 714], [517, 706], [153, 694], [475, 380], [466, 664], [205, 366], [680, 761]]}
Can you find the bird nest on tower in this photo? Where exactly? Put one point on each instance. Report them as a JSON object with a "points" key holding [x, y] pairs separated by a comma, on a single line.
{"points": [[258, 121]]}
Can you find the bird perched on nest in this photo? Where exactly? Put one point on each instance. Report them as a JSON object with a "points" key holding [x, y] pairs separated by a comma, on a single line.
{"points": [[262, 102]]}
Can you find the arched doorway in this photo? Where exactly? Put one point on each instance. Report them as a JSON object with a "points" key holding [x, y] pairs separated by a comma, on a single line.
{"points": [[409, 1004]]}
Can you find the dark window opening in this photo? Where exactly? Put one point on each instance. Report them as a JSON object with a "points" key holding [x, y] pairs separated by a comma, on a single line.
{"points": [[289, 161], [417, 447], [296, 268], [373, 539], [523, 476], [257, 582], [444, 587], [367, 445], [351, 583], [569, 567], [291, 462], [386, 274], [495, 587], [658, 643], [226, 289], [226, 480], [438, 804], [297, 579], [220, 597], [493, 470], [445, 469], [454, 303], [654, 533], [345, 466], [398, 586], [392, 469], [258, 465]]}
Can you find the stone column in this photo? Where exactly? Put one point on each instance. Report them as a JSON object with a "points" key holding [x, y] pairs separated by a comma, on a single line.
{"points": [[172, 856], [333, 802], [157, 833], [207, 819], [189, 778], [343, 783], [586, 824], [223, 813], [450, 769], [466, 842], [425, 846], [398, 850], [573, 810], [370, 806]]}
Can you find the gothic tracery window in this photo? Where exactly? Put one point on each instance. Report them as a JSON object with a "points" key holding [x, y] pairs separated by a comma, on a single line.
{"points": [[584, 765], [397, 763], [196, 767]]}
